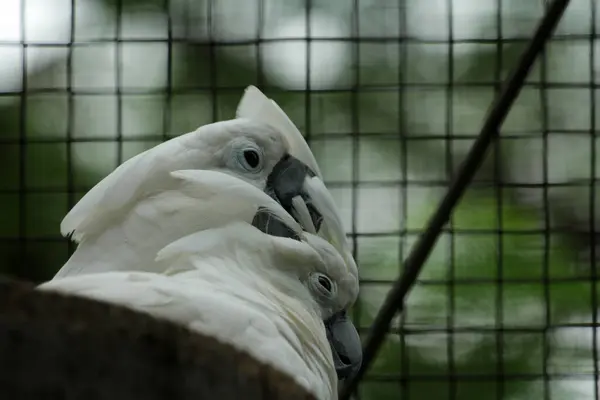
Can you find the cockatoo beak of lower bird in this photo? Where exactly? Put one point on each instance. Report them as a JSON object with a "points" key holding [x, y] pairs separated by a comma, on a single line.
{"points": [[345, 345], [288, 184]]}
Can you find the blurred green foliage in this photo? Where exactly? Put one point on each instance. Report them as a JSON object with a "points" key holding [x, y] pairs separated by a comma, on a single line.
{"points": [[496, 266]]}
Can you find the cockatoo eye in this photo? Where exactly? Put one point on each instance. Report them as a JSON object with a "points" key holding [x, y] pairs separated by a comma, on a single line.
{"points": [[251, 159], [322, 285], [325, 283]]}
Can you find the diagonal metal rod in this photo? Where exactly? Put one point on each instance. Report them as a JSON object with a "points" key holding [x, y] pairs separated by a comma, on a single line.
{"points": [[414, 262]]}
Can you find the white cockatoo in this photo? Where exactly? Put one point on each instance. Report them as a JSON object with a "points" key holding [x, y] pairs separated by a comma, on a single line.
{"points": [[230, 231]]}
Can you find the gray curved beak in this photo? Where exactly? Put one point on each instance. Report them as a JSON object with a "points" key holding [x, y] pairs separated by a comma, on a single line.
{"points": [[345, 345], [285, 184]]}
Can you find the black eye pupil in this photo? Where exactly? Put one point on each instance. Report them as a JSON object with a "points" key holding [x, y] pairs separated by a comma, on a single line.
{"points": [[326, 283], [252, 158]]}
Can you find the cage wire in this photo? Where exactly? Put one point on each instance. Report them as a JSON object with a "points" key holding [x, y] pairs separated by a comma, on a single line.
{"points": [[390, 96]]}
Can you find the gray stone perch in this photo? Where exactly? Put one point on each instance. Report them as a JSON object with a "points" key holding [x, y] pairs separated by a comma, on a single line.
{"points": [[54, 346]]}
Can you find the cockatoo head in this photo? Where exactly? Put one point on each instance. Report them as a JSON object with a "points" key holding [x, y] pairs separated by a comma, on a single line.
{"points": [[297, 184]]}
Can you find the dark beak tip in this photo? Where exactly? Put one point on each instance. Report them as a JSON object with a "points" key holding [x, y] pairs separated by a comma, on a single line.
{"points": [[345, 346], [346, 367], [346, 371]]}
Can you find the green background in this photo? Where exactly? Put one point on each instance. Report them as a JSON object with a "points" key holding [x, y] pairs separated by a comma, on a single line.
{"points": [[504, 305]]}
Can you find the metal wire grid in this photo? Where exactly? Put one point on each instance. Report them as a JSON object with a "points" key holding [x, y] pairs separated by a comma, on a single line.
{"points": [[418, 256], [403, 185]]}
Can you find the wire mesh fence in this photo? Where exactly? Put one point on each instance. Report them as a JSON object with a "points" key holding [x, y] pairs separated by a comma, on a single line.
{"points": [[390, 95]]}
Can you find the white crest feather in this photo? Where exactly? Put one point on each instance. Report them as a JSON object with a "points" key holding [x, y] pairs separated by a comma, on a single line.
{"points": [[121, 187], [198, 200], [103, 197], [145, 173], [219, 241], [206, 181], [256, 106]]}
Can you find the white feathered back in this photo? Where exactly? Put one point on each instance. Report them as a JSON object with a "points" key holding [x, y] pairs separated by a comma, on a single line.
{"points": [[256, 106]]}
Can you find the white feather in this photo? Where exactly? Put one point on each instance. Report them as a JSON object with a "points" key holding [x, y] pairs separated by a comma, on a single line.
{"points": [[148, 173], [225, 239], [220, 184], [256, 106], [197, 200], [235, 295], [124, 185]]}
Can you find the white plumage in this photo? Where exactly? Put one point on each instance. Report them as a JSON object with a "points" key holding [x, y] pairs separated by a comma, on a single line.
{"points": [[216, 282], [170, 232]]}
